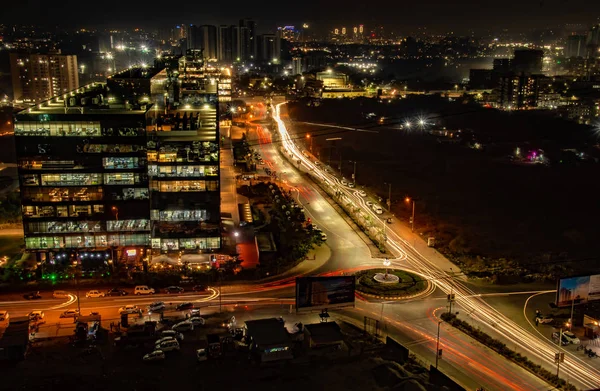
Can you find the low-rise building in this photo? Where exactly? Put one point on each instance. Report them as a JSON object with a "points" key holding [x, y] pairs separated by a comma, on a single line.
{"points": [[268, 339]]}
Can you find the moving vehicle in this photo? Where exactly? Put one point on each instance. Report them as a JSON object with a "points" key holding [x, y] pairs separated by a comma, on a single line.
{"points": [[323, 236], [172, 334], [116, 292], [60, 294], [362, 193], [70, 314], [197, 321], [94, 293], [199, 288], [369, 204], [32, 296], [184, 306], [543, 319], [4, 316], [157, 355], [186, 325], [156, 306], [344, 182], [174, 289], [351, 184], [168, 345], [377, 209], [572, 338], [36, 315], [130, 309], [143, 290]]}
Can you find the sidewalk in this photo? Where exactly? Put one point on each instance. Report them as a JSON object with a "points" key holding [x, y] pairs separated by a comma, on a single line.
{"points": [[315, 259]]}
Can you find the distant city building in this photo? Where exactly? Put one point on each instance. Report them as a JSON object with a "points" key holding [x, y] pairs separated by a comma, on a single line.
{"points": [[333, 80], [225, 43], [38, 77], [528, 61], [518, 91], [576, 46], [250, 45], [208, 41], [269, 48], [288, 33]]}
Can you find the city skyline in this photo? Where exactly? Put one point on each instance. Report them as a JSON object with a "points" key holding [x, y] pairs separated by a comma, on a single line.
{"points": [[401, 17]]}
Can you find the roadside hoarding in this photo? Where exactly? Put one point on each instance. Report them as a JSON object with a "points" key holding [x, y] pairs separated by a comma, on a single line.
{"points": [[314, 293], [577, 290]]}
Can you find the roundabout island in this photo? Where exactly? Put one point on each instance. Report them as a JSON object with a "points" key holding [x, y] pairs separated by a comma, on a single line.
{"points": [[390, 283]]}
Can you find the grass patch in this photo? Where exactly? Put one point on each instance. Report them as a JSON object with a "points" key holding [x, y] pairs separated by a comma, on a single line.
{"points": [[409, 283], [11, 246]]}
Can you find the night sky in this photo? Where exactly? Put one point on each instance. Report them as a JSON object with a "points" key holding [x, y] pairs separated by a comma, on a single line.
{"points": [[401, 16]]}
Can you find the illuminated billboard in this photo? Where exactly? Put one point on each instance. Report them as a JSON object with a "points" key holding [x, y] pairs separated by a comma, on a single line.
{"points": [[577, 290], [313, 293]]}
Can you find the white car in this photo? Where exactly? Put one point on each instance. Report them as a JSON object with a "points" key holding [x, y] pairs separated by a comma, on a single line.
{"points": [[344, 182], [168, 346], [186, 325], [4, 316], [94, 294], [377, 209], [157, 355], [69, 314], [143, 290], [130, 309], [36, 315], [163, 339], [572, 338], [172, 334], [543, 319], [156, 306], [323, 236], [362, 193], [197, 320], [351, 184]]}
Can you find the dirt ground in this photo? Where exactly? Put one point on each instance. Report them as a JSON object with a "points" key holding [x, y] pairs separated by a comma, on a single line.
{"points": [[491, 206], [61, 366]]}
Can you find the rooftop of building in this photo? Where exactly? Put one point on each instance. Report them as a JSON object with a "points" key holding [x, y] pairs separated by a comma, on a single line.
{"points": [[143, 72], [93, 98], [267, 332], [323, 333]]}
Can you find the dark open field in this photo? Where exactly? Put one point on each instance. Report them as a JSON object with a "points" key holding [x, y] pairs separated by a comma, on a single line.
{"points": [[474, 201]]}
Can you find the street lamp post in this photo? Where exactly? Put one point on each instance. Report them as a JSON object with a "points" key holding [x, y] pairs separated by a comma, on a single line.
{"points": [[389, 200], [354, 173], [412, 220], [437, 345], [572, 307], [311, 144]]}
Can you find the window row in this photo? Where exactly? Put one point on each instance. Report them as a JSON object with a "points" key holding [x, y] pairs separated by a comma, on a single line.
{"points": [[86, 241], [73, 129], [182, 171], [119, 163], [130, 193], [64, 226], [128, 225], [65, 194], [89, 179], [186, 244], [49, 164], [110, 148], [179, 215], [63, 211], [184, 186]]}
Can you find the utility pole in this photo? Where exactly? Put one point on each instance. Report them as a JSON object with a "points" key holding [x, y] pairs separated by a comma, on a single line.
{"points": [[412, 225], [437, 345], [572, 307], [354, 174], [389, 200]]}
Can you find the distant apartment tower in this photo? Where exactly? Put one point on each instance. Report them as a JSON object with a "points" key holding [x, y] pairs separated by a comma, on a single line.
{"points": [[225, 44], [519, 91], [251, 43], [38, 77], [269, 48], [576, 46], [528, 61], [208, 41]]}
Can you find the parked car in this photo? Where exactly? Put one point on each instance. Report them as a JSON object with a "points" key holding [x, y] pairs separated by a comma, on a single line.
{"points": [[543, 319], [163, 339], [572, 338], [377, 209], [186, 325], [362, 193], [4, 316], [200, 288], [60, 294], [174, 289], [173, 334], [369, 203], [70, 314], [130, 309], [323, 236], [344, 182], [197, 321], [94, 293], [556, 336], [36, 315], [116, 292], [143, 290], [32, 296], [157, 355], [351, 184], [195, 312], [168, 345], [184, 306], [156, 306]]}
